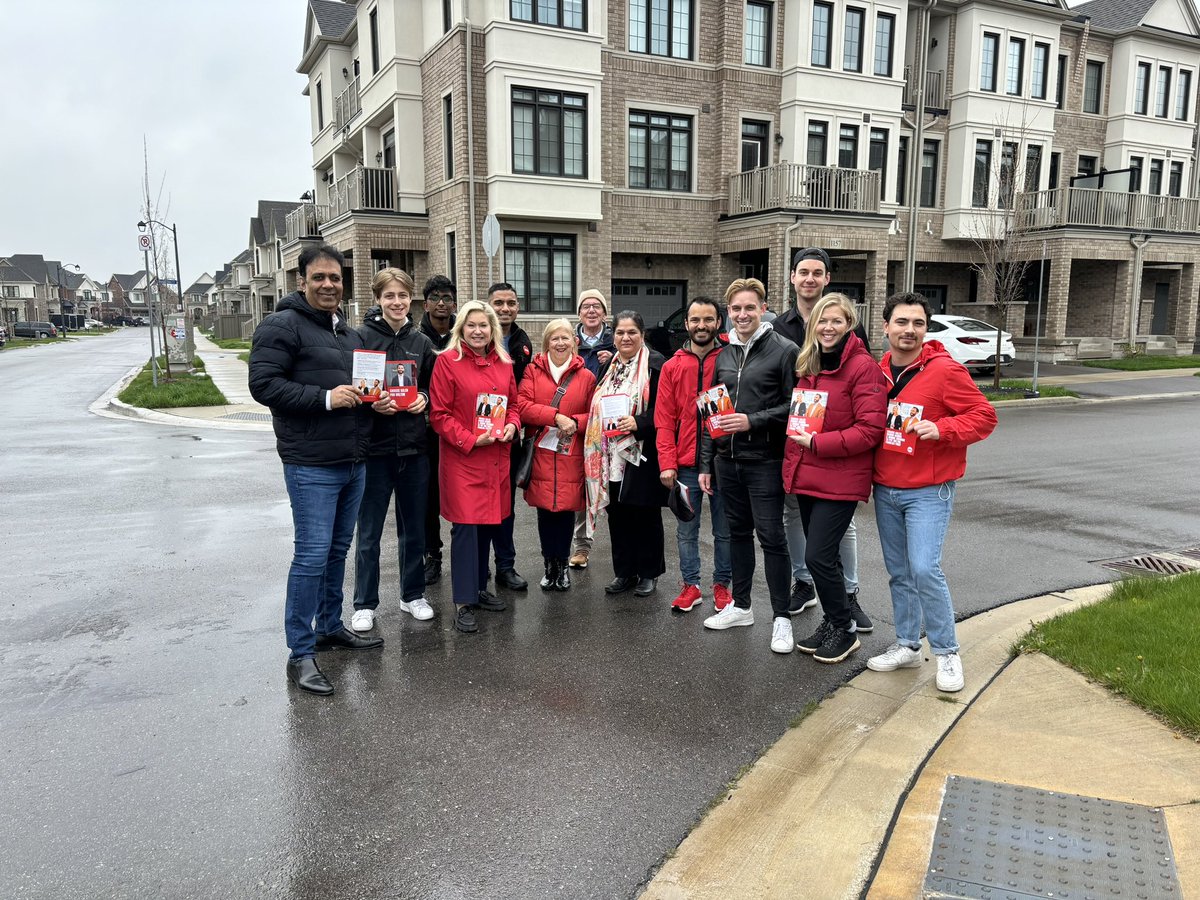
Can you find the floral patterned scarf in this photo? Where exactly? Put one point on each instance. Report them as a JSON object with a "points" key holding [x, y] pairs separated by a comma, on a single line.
{"points": [[605, 458]]}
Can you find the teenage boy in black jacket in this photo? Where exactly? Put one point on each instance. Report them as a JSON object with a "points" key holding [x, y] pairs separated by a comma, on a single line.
{"points": [[441, 301]]}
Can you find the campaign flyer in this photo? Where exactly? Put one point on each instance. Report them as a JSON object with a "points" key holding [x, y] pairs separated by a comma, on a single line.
{"points": [[613, 408], [402, 382], [807, 412], [490, 410], [367, 374], [713, 403], [897, 435]]}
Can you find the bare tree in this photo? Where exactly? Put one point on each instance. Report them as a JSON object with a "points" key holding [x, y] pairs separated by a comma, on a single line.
{"points": [[158, 250]]}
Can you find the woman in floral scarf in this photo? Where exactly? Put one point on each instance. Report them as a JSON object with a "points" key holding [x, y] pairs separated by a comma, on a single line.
{"points": [[622, 465]]}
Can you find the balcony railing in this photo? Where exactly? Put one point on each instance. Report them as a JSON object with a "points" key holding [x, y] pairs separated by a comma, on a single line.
{"points": [[935, 90], [306, 220], [796, 186], [347, 105], [1089, 207], [364, 188]]}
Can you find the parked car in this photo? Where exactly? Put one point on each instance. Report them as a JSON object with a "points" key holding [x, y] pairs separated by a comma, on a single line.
{"points": [[3, 336], [92, 323], [34, 329], [971, 342]]}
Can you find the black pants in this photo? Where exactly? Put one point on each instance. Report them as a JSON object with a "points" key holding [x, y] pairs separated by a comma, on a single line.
{"points": [[433, 501], [468, 561], [554, 529], [753, 495], [825, 524], [636, 534]]}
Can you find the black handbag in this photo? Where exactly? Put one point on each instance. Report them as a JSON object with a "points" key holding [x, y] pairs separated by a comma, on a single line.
{"points": [[525, 466]]}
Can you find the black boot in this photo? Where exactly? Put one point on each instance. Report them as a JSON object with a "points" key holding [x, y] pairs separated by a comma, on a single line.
{"points": [[548, 582], [563, 582]]}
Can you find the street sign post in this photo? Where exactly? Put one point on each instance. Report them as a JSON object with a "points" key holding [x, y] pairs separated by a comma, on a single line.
{"points": [[491, 241]]}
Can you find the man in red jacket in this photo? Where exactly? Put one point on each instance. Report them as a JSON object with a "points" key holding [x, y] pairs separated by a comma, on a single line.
{"points": [[914, 493], [678, 423]]}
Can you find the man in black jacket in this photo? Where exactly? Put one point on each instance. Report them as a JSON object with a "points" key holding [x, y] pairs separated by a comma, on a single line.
{"points": [[758, 368], [300, 367], [441, 300]]}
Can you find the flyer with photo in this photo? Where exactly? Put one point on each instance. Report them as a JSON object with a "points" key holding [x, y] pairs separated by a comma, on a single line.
{"points": [[613, 408], [402, 382], [367, 374], [807, 412], [897, 435], [713, 403], [490, 410], [555, 440]]}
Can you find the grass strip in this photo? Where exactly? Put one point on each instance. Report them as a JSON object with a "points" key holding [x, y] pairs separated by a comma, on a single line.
{"points": [[1017, 387], [230, 343], [1141, 642], [1144, 363], [183, 389]]}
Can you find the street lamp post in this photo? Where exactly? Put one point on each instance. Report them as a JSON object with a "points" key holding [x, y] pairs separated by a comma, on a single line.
{"points": [[178, 284]]}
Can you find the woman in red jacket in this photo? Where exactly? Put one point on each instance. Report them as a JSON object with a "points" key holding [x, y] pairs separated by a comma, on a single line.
{"points": [[830, 469], [473, 475], [556, 487]]}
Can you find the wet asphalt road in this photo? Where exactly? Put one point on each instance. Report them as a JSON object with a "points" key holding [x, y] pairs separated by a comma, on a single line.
{"points": [[152, 748]]}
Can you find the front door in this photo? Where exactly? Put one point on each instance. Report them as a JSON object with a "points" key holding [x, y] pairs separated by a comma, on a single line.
{"points": [[1162, 299]]}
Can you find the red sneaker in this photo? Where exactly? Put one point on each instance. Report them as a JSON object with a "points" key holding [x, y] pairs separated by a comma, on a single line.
{"points": [[721, 597], [688, 599]]}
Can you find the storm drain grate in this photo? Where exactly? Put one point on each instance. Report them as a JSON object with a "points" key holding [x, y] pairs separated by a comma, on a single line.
{"points": [[998, 840], [1191, 553], [1152, 564], [247, 417]]}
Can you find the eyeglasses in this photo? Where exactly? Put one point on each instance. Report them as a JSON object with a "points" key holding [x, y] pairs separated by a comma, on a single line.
{"points": [[441, 298], [591, 306]]}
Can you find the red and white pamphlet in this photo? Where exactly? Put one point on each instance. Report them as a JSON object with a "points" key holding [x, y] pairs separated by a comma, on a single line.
{"points": [[367, 375], [402, 382], [900, 418], [713, 403], [613, 407], [807, 412], [490, 412]]}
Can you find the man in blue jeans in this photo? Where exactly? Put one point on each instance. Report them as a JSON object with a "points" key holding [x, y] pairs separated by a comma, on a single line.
{"points": [[300, 366], [914, 492]]}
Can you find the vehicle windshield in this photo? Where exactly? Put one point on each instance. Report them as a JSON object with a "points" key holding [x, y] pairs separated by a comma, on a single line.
{"points": [[973, 325]]}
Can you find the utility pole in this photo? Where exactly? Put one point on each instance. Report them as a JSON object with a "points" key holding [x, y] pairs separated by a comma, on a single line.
{"points": [[153, 353]]}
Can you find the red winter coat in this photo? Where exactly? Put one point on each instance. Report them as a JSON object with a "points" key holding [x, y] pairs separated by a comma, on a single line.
{"points": [[473, 481], [840, 465], [953, 403], [677, 419], [557, 483]]}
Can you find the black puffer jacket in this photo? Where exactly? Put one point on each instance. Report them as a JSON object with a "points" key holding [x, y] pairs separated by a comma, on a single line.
{"points": [[520, 348], [402, 434], [759, 379], [299, 355], [791, 326]]}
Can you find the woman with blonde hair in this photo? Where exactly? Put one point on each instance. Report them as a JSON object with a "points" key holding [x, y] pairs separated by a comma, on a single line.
{"points": [[473, 475], [830, 471], [556, 393]]}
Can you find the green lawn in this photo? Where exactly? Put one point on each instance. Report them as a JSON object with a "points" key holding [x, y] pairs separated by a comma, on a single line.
{"points": [[1142, 642], [1018, 386], [1143, 363], [183, 389], [244, 357], [16, 343], [230, 343]]}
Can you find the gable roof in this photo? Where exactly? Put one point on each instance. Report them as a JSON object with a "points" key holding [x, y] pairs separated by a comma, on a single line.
{"points": [[130, 282], [199, 287], [1115, 15], [32, 264], [333, 17], [13, 275]]}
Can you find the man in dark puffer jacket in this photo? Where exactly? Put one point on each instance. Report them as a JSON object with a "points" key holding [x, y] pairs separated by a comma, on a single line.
{"points": [[300, 367]]}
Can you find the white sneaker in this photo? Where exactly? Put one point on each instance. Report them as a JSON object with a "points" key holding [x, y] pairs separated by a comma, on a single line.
{"points": [[730, 617], [363, 620], [950, 673], [781, 636], [896, 657], [419, 609]]}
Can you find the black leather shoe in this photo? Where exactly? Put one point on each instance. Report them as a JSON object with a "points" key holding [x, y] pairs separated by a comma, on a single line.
{"points": [[490, 602], [464, 620], [433, 569], [620, 585], [508, 578], [304, 674], [645, 587], [346, 640], [563, 582]]}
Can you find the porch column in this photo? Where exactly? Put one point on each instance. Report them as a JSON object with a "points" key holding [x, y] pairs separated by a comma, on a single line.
{"points": [[1123, 287], [875, 294], [1185, 310], [1058, 296]]}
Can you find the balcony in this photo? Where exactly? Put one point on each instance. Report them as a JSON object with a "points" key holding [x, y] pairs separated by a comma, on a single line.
{"points": [[796, 186], [347, 105], [364, 189], [1092, 208], [935, 88], [305, 221]]}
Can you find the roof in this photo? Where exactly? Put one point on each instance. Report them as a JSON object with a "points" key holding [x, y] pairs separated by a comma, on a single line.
{"points": [[1115, 15], [333, 17], [130, 282], [32, 264], [242, 257], [273, 214], [14, 275], [199, 287]]}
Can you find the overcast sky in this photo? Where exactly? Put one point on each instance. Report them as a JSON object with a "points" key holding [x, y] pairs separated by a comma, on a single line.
{"points": [[213, 88]]}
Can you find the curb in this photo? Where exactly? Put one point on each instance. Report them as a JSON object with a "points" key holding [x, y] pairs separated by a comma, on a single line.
{"points": [[108, 406], [1042, 402]]}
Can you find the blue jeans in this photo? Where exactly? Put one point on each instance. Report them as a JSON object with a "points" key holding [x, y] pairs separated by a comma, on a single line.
{"points": [[407, 477], [687, 534], [325, 503], [912, 527], [847, 550]]}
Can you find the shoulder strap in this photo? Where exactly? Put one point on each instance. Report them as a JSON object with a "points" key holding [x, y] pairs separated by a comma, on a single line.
{"points": [[562, 390]]}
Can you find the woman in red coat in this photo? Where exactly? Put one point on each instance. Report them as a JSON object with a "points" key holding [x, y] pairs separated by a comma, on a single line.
{"points": [[473, 475], [556, 488], [830, 470]]}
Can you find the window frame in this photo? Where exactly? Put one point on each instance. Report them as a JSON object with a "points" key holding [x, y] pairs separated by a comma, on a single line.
{"points": [[1011, 89], [889, 45], [981, 180], [861, 14], [1137, 164], [1175, 179], [448, 135], [1041, 51], [1060, 82], [768, 11], [878, 138], [671, 130], [1162, 93], [902, 145], [1097, 66], [1141, 88], [556, 244], [762, 140], [823, 134], [673, 8], [827, 50], [1006, 180], [1093, 164], [935, 170], [988, 71], [373, 26], [560, 9], [1183, 95], [452, 256], [537, 105], [1033, 164], [1155, 181], [848, 132]]}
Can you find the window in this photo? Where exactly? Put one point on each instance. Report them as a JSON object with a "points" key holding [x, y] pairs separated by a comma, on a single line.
{"points": [[1175, 180], [1087, 165], [1014, 74], [852, 45], [373, 19], [983, 174], [756, 34], [1156, 173], [447, 16], [549, 133], [451, 257], [559, 13], [320, 108], [448, 135], [929, 174], [885, 30], [877, 158], [822, 34], [1135, 176], [901, 169], [660, 151], [1093, 86], [542, 268], [1060, 83], [661, 27], [1040, 71], [1162, 92], [987, 61], [1141, 89], [1008, 174], [1052, 175], [389, 149], [754, 144], [1183, 95], [818, 139], [848, 147], [1033, 167]]}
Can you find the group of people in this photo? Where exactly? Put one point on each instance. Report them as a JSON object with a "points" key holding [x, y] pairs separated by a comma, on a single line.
{"points": [[599, 425]]}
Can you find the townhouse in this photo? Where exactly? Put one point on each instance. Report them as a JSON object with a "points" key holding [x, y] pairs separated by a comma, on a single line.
{"points": [[657, 149]]}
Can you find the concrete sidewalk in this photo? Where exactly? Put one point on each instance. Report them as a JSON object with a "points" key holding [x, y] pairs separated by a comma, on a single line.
{"points": [[859, 783]]}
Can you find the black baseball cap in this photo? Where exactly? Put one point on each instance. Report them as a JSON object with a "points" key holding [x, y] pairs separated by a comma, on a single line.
{"points": [[811, 253]]}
